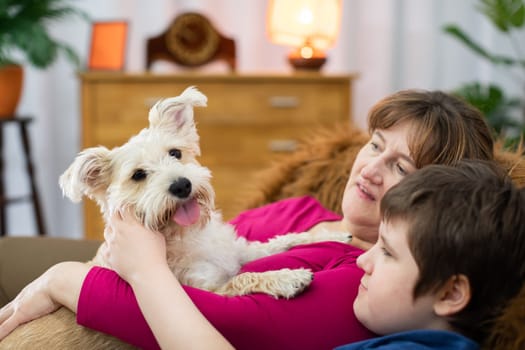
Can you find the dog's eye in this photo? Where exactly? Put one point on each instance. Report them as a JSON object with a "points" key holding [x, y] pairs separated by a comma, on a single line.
{"points": [[175, 153], [139, 175]]}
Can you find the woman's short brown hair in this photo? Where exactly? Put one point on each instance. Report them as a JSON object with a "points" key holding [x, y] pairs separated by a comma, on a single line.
{"points": [[446, 128]]}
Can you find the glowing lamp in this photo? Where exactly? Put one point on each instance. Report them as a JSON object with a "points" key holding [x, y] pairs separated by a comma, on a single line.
{"points": [[310, 26]]}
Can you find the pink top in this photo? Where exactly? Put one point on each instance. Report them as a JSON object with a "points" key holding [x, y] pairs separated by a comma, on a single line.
{"points": [[320, 318]]}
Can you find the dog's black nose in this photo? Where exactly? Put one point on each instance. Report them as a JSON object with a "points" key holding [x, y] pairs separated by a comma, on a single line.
{"points": [[181, 187]]}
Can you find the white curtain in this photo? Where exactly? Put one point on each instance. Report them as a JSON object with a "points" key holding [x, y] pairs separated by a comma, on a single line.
{"points": [[390, 44]]}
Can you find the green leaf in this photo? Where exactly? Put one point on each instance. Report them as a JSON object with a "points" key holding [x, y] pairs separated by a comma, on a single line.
{"points": [[504, 14], [24, 29], [460, 35], [70, 54], [493, 103]]}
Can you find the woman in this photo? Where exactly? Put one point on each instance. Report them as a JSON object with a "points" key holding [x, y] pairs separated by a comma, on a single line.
{"points": [[409, 129]]}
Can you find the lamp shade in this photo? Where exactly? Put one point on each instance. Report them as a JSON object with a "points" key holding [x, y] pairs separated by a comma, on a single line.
{"points": [[299, 22]]}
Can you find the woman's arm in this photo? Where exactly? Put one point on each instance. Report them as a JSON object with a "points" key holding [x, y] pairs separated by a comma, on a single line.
{"points": [[162, 302], [139, 256], [320, 318], [63, 283], [156, 288], [59, 285]]}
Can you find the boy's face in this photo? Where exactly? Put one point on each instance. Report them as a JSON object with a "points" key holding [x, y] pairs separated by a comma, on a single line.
{"points": [[385, 304]]}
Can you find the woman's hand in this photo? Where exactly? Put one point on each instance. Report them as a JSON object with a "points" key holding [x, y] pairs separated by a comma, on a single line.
{"points": [[131, 249], [32, 302], [59, 285], [138, 255]]}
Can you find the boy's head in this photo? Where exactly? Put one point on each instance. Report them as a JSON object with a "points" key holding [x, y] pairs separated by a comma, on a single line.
{"points": [[450, 251]]}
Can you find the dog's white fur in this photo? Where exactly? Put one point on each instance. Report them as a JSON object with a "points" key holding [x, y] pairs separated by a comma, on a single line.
{"points": [[157, 178], [205, 253]]}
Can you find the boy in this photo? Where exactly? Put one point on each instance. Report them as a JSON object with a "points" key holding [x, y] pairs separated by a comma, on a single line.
{"points": [[449, 256]]}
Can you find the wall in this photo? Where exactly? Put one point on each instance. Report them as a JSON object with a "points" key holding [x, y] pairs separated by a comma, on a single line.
{"points": [[391, 44]]}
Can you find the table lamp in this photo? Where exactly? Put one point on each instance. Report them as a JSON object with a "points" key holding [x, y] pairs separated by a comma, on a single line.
{"points": [[310, 26]]}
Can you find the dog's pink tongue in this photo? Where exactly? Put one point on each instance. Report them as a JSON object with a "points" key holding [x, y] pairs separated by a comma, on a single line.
{"points": [[187, 214]]}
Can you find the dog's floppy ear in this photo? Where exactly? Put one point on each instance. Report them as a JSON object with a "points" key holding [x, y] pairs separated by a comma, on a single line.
{"points": [[88, 175], [176, 113]]}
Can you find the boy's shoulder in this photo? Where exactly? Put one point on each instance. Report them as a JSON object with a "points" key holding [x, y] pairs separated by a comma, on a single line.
{"points": [[417, 340]]}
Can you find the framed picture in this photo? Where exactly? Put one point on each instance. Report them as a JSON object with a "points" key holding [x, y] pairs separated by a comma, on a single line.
{"points": [[108, 45]]}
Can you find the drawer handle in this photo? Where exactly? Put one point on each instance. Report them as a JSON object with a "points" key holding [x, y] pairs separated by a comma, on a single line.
{"points": [[282, 145], [150, 101], [284, 101]]}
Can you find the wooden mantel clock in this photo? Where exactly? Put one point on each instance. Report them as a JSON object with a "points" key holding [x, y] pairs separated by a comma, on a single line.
{"points": [[191, 40]]}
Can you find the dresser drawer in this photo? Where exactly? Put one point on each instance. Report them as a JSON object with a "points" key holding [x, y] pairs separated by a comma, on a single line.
{"points": [[248, 120], [239, 145], [272, 103]]}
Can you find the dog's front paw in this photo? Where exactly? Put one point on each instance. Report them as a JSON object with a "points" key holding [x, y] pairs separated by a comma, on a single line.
{"points": [[284, 283], [337, 236], [287, 241], [294, 283]]}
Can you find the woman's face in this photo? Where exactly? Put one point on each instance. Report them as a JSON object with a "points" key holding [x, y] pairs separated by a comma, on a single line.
{"points": [[380, 164]]}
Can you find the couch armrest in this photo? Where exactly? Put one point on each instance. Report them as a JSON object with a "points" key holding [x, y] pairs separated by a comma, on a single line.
{"points": [[22, 259]]}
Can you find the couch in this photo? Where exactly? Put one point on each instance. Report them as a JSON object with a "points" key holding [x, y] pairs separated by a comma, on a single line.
{"points": [[319, 167], [22, 259]]}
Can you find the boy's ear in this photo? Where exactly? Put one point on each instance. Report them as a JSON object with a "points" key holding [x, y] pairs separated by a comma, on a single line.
{"points": [[453, 297]]}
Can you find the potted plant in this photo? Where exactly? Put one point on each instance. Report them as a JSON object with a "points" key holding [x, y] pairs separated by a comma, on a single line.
{"points": [[24, 38], [505, 114]]}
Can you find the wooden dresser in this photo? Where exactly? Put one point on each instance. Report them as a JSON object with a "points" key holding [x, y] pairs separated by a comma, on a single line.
{"points": [[248, 119]]}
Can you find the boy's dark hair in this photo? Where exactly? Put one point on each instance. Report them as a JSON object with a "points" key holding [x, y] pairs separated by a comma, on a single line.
{"points": [[469, 220]]}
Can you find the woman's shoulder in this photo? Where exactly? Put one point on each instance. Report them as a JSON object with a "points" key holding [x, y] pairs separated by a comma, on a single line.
{"points": [[296, 214], [288, 204]]}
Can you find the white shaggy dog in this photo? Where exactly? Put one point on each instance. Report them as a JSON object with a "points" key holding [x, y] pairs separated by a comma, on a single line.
{"points": [[157, 178]]}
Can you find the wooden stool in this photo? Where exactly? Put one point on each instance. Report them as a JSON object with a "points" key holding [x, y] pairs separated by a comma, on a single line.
{"points": [[22, 123]]}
